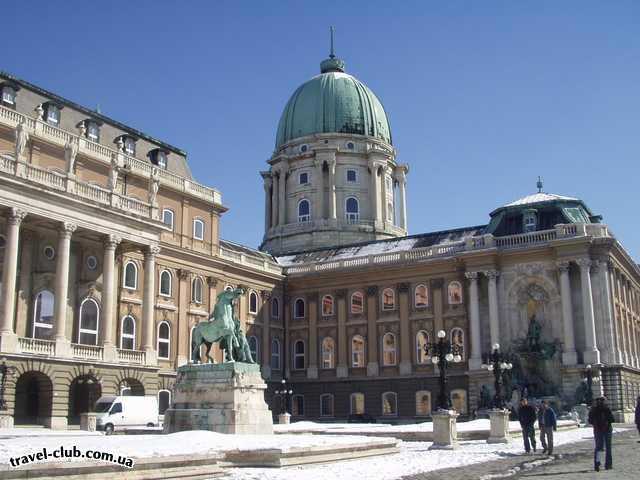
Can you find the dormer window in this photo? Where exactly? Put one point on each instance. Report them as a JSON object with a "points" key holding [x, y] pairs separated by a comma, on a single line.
{"points": [[529, 221], [8, 96], [93, 130], [159, 158], [304, 178], [128, 144], [52, 114]]}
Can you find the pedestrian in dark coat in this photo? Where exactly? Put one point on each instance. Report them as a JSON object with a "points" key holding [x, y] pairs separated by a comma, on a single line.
{"points": [[601, 418], [638, 415], [548, 424], [527, 417]]}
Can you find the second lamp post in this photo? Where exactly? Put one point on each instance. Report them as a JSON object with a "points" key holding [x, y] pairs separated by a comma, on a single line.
{"points": [[442, 353], [499, 364]]}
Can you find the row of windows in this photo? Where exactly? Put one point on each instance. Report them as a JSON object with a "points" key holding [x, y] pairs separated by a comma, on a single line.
{"points": [[389, 350], [351, 210], [351, 176], [357, 405], [304, 147], [421, 300], [198, 225]]}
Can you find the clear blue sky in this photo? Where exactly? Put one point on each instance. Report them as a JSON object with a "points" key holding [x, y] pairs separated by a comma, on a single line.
{"points": [[483, 96]]}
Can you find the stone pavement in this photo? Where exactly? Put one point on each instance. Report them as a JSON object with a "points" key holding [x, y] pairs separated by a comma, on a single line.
{"points": [[572, 461]]}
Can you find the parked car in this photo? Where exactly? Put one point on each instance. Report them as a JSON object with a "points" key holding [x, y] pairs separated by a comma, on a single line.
{"points": [[126, 412], [361, 418]]}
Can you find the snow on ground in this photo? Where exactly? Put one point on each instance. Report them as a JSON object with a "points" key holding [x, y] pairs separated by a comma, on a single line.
{"points": [[43, 432], [414, 457]]}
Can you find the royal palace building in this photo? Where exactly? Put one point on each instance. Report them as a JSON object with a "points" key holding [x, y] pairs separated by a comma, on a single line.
{"points": [[111, 255]]}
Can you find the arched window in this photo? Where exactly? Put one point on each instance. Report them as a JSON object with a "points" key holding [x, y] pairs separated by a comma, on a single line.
{"points": [[357, 351], [357, 403], [167, 217], [389, 404], [196, 290], [457, 338], [326, 405], [164, 340], [304, 209], [88, 322], [198, 229], [459, 401], [423, 403], [43, 315], [275, 354], [131, 275], [298, 308], [253, 348], [297, 405], [352, 210], [422, 339], [327, 305], [165, 283], [328, 352], [164, 401], [357, 303], [298, 355], [275, 308], [389, 349], [455, 293], [388, 299], [253, 303], [421, 297], [128, 333]]}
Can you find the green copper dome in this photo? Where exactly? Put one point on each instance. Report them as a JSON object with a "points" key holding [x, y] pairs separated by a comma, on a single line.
{"points": [[333, 102]]}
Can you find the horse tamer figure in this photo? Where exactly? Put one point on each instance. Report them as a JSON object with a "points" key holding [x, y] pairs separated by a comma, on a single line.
{"points": [[219, 327]]}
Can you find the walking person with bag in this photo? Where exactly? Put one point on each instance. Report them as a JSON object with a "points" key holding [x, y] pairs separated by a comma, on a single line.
{"points": [[527, 417], [601, 418], [548, 424]]}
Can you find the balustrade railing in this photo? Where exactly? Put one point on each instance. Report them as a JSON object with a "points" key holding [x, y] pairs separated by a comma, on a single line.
{"points": [[46, 177], [7, 164], [136, 357], [37, 346], [88, 352]]}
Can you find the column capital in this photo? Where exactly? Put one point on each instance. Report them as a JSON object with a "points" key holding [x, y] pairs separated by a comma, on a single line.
{"points": [[471, 275], [183, 273], [212, 281], [318, 162], [404, 287], [563, 265], [16, 216], [400, 174], [111, 241], [67, 229], [372, 291], [151, 250], [265, 295], [584, 263], [492, 274], [268, 181], [341, 294], [331, 163]]}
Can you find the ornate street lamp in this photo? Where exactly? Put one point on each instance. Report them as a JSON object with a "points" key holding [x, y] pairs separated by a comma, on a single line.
{"points": [[589, 379], [442, 353], [284, 392], [499, 364]]}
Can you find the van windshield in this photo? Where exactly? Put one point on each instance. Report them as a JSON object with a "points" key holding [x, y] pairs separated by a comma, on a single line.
{"points": [[102, 407]]}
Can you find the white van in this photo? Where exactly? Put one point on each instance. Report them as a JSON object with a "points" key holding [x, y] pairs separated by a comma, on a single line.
{"points": [[126, 412]]}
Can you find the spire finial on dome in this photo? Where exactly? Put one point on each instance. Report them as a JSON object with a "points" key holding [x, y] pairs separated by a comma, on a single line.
{"points": [[332, 31], [333, 63], [539, 184]]}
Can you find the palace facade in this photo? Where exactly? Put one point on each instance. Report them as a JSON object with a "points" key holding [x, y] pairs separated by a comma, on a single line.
{"points": [[111, 254]]}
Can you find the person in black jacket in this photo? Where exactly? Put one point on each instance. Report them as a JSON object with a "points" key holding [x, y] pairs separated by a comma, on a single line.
{"points": [[601, 418], [527, 417], [638, 415], [547, 424]]}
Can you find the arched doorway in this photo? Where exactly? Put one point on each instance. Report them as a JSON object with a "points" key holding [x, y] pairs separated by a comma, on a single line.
{"points": [[84, 391], [34, 399], [130, 386]]}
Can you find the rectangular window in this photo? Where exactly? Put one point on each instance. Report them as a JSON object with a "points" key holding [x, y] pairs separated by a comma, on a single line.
{"points": [[8, 96], [304, 178], [352, 176], [53, 115], [130, 146], [93, 132], [198, 229], [326, 405]]}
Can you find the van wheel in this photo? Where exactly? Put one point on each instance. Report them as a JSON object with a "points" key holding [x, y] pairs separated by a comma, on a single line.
{"points": [[151, 424], [108, 429]]}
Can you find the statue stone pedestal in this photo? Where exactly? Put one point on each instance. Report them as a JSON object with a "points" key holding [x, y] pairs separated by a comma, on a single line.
{"points": [[583, 412], [445, 434], [223, 397], [284, 419], [499, 426], [88, 421]]}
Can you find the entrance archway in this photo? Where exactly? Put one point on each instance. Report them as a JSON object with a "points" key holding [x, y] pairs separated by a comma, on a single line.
{"points": [[131, 386], [84, 391], [34, 399]]}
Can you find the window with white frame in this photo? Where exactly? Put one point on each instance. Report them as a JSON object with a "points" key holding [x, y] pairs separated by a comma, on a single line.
{"points": [[303, 178], [43, 315], [389, 349], [8, 95], [164, 340], [421, 296], [198, 229], [299, 308], [357, 403], [167, 217], [352, 210], [275, 354], [128, 333], [352, 176], [92, 130], [422, 340], [297, 405], [164, 401], [457, 339], [130, 146], [275, 308], [357, 303], [328, 352], [327, 305], [357, 351], [388, 299], [253, 348], [52, 114], [196, 290], [390, 404], [455, 293], [298, 355], [253, 303], [304, 211], [131, 276], [326, 405], [165, 283], [423, 403], [88, 321]]}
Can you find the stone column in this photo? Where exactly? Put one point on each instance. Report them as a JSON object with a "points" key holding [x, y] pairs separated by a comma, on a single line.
{"points": [[494, 320], [401, 178], [342, 369], [274, 199], [406, 346], [605, 316], [569, 355], [267, 201], [61, 299], [107, 318], [372, 331], [319, 182], [331, 164], [386, 171], [182, 299], [282, 196], [24, 285], [266, 333], [375, 192], [617, 334], [8, 337], [475, 361], [591, 354], [148, 304], [312, 368]]}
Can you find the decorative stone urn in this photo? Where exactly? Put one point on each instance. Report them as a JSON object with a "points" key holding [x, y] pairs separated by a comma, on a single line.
{"points": [[284, 419], [224, 397], [445, 434], [499, 426]]}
